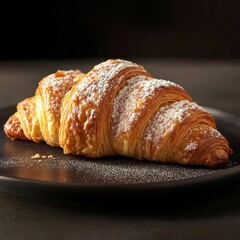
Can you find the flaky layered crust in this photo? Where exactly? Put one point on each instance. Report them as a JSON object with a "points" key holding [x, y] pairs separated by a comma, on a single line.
{"points": [[118, 108], [38, 118]]}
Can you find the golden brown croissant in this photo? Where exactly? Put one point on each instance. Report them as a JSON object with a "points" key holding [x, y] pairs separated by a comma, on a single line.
{"points": [[118, 108]]}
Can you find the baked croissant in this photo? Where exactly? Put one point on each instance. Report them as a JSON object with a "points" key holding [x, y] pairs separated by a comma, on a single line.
{"points": [[118, 108]]}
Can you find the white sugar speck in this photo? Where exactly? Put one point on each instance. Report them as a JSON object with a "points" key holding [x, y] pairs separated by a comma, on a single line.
{"points": [[191, 146]]}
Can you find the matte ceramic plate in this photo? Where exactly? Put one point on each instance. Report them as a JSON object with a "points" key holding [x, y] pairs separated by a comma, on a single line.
{"points": [[35, 169]]}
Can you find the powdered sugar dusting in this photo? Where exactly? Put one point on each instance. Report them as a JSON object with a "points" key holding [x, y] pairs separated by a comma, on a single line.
{"points": [[109, 69], [131, 99], [55, 82], [204, 130], [94, 86], [166, 119], [215, 133], [54, 88], [191, 146]]}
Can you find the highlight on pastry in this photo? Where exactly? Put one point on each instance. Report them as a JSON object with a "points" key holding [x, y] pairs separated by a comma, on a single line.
{"points": [[119, 108]]}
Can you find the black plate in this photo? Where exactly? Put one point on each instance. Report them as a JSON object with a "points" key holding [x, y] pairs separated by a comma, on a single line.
{"points": [[65, 175]]}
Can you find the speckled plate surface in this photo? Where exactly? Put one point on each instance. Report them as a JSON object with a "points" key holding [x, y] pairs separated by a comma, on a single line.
{"points": [[36, 169]]}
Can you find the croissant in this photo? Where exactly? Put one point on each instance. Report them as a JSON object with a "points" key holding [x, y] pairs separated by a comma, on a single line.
{"points": [[119, 108]]}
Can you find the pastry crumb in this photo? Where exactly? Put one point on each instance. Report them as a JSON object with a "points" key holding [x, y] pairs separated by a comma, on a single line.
{"points": [[37, 155]]}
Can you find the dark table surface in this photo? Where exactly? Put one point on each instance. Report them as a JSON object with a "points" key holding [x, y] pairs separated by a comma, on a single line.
{"points": [[211, 213]]}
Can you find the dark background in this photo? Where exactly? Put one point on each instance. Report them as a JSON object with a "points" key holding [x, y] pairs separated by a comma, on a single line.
{"points": [[82, 29]]}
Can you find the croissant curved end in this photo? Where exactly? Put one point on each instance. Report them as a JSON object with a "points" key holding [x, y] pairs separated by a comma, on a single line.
{"points": [[12, 128]]}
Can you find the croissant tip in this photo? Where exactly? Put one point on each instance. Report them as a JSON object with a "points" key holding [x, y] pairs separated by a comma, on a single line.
{"points": [[219, 158]]}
